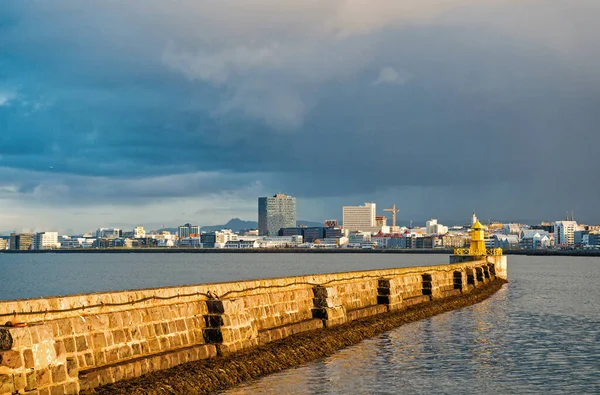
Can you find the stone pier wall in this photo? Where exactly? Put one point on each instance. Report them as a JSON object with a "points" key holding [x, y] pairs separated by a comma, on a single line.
{"points": [[67, 344]]}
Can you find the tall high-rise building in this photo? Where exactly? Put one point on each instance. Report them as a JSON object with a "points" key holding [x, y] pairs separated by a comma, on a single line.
{"points": [[276, 212], [564, 233], [189, 230], [359, 217]]}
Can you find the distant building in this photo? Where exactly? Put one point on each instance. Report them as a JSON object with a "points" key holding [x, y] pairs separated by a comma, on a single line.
{"points": [[581, 238], [241, 244], [311, 234], [362, 218], [564, 233], [276, 212], [432, 227], [295, 231], [594, 239], [331, 223], [332, 233], [108, 233], [208, 240], [46, 241], [532, 239], [3, 244], [381, 221], [188, 230], [506, 242], [280, 241], [21, 241], [511, 229], [139, 232], [192, 241]]}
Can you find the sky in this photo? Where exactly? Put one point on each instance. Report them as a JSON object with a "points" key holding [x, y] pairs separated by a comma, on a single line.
{"points": [[116, 113]]}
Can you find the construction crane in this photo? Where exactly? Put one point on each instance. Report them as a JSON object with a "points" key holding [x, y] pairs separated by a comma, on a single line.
{"points": [[392, 210]]}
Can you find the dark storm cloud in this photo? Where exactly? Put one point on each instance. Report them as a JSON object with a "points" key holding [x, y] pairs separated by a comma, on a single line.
{"points": [[335, 100]]}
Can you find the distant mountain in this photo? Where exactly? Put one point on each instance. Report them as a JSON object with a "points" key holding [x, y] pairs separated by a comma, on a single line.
{"points": [[235, 224], [309, 224]]}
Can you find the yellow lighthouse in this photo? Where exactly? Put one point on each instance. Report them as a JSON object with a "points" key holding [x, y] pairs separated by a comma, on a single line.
{"points": [[477, 247]]}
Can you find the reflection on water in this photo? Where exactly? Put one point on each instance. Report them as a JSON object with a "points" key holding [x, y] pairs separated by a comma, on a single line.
{"points": [[539, 334]]}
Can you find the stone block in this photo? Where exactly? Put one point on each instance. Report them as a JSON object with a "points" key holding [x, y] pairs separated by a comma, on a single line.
{"points": [[31, 381], [11, 359], [20, 382], [6, 384], [59, 373], [43, 377], [59, 348], [81, 343], [57, 390], [69, 343], [72, 368], [325, 292], [72, 388], [119, 336]]}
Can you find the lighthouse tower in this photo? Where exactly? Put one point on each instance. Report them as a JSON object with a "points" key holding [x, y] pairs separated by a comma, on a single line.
{"points": [[477, 247]]}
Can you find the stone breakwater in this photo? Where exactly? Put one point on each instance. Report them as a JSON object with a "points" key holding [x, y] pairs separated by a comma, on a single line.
{"points": [[81, 342], [217, 374]]}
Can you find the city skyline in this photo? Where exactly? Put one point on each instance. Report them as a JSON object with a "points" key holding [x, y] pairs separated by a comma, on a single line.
{"points": [[439, 107]]}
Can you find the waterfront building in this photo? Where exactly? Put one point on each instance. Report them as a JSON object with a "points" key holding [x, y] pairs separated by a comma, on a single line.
{"points": [[108, 233], [290, 231], [358, 238], [188, 230], [332, 233], [192, 241], [564, 233], [241, 244], [355, 218], [21, 241], [581, 238], [535, 239], [506, 242], [276, 212], [311, 234], [46, 241], [594, 239], [3, 244], [139, 232], [208, 240], [280, 241]]}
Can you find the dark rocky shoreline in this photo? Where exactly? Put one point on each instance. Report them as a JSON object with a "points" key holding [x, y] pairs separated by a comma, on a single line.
{"points": [[216, 374]]}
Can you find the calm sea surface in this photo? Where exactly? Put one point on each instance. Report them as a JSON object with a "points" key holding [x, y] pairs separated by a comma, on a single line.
{"points": [[539, 334]]}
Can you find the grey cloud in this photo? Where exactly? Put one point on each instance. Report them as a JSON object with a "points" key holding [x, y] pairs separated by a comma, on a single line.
{"points": [[284, 99], [388, 75]]}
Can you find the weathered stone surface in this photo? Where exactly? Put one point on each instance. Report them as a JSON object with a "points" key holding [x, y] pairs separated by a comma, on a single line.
{"points": [[6, 384], [11, 359], [6, 340], [118, 342]]}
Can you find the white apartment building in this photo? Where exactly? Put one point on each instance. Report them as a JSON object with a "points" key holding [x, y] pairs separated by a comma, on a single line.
{"points": [[564, 233], [359, 217], [46, 241], [139, 232]]}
